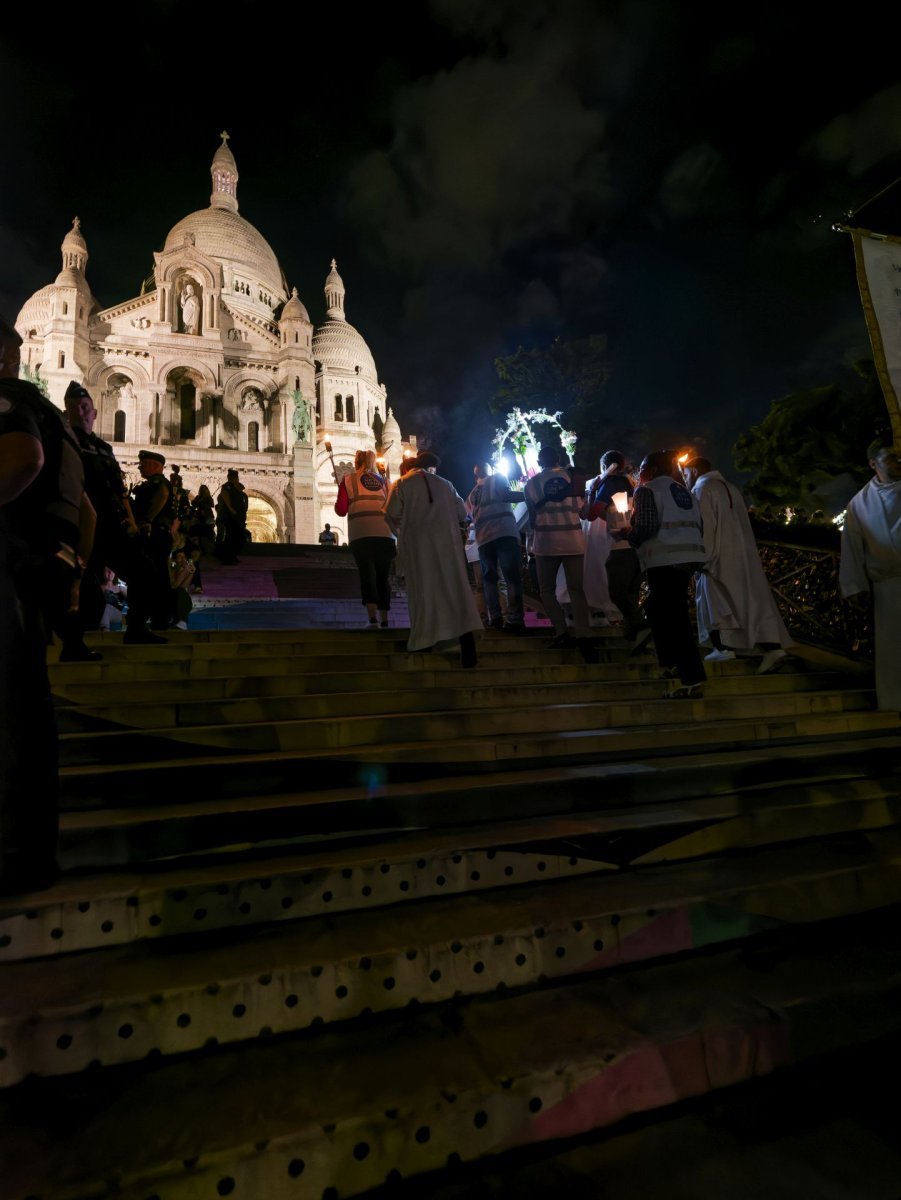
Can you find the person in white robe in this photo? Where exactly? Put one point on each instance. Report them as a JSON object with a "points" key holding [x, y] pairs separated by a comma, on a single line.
{"points": [[735, 607], [429, 514], [871, 562]]}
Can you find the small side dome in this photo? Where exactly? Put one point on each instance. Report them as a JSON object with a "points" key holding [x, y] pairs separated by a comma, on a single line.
{"points": [[391, 430], [74, 250], [294, 310]]}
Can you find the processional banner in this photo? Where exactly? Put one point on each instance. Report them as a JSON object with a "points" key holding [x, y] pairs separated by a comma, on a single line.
{"points": [[878, 261]]}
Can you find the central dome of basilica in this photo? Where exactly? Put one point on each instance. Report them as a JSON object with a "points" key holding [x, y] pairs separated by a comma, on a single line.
{"points": [[219, 232], [227, 237]]}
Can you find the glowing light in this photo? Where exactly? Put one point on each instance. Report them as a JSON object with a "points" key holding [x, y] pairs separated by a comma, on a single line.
{"points": [[503, 467], [839, 520], [683, 458], [530, 457], [621, 502], [408, 453]]}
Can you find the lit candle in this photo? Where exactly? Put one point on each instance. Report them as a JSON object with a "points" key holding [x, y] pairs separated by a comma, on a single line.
{"points": [[683, 458], [621, 502]]}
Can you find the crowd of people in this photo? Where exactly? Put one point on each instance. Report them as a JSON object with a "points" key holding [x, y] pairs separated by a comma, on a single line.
{"points": [[152, 537], [76, 546], [71, 531]]}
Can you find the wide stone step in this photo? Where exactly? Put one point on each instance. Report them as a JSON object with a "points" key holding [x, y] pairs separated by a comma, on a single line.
{"points": [[163, 711], [810, 1130], [87, 912], [119, 1005], [136, 826], [734, 676], [229, 774], [340, 1111], [382, 729], [174, 668]]}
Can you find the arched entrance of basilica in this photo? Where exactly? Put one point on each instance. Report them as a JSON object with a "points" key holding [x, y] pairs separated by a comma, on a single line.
{"points": [[262, 519]]}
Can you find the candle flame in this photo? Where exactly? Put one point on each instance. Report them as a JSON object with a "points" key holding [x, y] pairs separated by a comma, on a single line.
{"points": [[683, 458], [621, 502]]}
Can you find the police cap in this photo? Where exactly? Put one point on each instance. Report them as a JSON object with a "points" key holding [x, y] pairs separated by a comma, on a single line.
{"points": [[75, 390], [153, 454]]}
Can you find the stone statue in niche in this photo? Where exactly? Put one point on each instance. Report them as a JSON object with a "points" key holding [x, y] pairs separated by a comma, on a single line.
{"points": [[252, 401], [190, 309], [126, 393], [301, 421]]}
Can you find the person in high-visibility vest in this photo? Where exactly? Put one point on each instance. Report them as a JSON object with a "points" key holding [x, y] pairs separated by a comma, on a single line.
{"points": [[557, 538], [362, 496], [668, 534], [490, 505]]}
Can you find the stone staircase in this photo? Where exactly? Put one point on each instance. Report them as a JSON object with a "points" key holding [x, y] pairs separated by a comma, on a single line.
{"points": [[334, 914]]}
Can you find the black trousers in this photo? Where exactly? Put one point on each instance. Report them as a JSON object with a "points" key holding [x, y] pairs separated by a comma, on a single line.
{"points": [[668, 614], [373, 556], [29, 787], [624, 582]]}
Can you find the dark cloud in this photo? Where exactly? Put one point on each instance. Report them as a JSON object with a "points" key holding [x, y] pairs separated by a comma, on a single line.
{"points": [[662, 172]]}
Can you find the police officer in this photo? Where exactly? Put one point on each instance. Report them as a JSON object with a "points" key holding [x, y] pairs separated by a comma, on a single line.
{"points": [[43, 529], [232, 518], [152, 509], [108, 494]]}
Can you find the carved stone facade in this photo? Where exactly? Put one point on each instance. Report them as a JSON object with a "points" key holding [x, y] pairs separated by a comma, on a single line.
{"points": [[212, 361]]}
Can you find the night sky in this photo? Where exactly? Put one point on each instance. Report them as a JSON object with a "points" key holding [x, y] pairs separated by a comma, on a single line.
{"points": [[488, 174]]}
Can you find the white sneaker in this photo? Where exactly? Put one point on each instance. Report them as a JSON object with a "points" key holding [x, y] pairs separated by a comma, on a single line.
{"points": [[180, 625], [719, 656], [771, 661]]}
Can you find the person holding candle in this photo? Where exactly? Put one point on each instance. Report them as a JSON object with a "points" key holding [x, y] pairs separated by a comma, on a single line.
{"points": [[610, 499]]}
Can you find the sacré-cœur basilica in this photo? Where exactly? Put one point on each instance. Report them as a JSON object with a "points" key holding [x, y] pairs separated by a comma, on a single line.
{"points": [[218, 365]]}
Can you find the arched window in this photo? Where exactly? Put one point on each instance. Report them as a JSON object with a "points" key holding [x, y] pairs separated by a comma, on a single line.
{"points": [[297, 383], [62, 358], [349, 408], [65, 308], [119, 426], [296, 336], [187, 394], [339, 409], [253, 435]]}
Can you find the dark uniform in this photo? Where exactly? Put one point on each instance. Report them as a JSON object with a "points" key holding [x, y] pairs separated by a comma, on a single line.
{"points": [[38, 569], [112, 546], [156, 544], [233, 523]]}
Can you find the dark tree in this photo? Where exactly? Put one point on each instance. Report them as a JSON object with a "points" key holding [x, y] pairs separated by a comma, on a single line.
{"points": [[569, 377], [810, 439]]}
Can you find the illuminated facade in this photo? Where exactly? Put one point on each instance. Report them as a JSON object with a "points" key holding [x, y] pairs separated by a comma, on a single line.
{"points": [[218, 366]]}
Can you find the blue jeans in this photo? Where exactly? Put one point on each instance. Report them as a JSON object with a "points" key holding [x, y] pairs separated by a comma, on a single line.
{"points": [[503, 552]]}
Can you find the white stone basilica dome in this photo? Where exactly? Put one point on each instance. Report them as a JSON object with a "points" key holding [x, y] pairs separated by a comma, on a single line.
{"points": [[227, 237], [336, 344]]}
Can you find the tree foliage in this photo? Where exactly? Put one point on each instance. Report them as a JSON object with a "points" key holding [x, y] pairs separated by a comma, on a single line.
{"points": [[809, 439], [567, 377], [36, 378]]}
